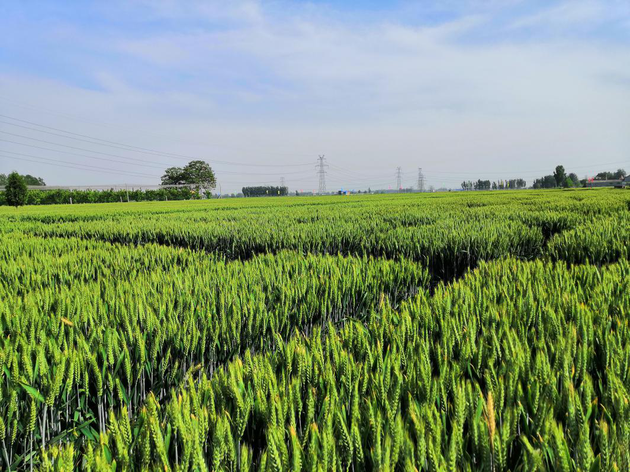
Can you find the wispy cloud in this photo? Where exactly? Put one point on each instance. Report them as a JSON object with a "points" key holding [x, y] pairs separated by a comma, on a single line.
{"points": [[573, 16]]}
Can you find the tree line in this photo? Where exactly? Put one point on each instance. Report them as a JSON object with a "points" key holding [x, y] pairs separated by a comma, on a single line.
{"points": [[498, 185], [265, 191], [18, 196], [560, 178], [196, 180], [197, 174], [28, 180]]}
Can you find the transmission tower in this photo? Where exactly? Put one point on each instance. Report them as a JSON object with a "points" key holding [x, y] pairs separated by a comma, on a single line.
{"points": [[399, 178], [321, 170], [282, 183], [420, 180]]}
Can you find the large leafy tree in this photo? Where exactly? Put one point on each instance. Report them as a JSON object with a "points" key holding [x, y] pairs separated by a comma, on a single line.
{"points": [[197, 174], [174, 176], [560, 175], [15, 190], [200, 174]]}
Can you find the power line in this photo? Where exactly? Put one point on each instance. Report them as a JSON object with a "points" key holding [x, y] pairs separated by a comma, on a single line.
{"points": [[449, 176], [322, 174], [140, 174], [90, 168], [526, 172], [258, 182], [78, 155], [74, 147], [144, 163], [73, 166], [347, 177], [91, 140], [83, 120], [131, 148], [123, 147]]}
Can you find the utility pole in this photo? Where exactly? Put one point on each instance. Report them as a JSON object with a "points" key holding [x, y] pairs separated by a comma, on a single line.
{"points": [[420, 180], [321, 166], [399, 178]]}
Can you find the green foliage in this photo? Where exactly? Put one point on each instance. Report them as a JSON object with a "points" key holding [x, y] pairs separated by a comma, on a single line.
{"points": [[15, 190], [548, 181], [55, 197], [266, 191], [197, 174], [560, 176], [575, 180], [28, 180], [496, 185], [619, 174]]}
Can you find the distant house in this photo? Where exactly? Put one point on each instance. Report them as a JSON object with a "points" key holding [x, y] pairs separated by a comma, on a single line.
{"points": [[617, 183]]}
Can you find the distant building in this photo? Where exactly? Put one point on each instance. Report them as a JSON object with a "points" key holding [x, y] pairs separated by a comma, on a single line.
{"points": [[620, 183]]}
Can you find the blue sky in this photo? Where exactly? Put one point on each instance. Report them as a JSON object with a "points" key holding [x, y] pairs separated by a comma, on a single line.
{"points": [[468, 89]]}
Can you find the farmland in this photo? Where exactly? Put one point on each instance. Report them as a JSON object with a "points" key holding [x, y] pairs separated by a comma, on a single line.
{"points": [[456, 331]]}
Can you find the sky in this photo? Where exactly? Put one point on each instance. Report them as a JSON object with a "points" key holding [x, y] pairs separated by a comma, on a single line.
{"points": [[99, 93]]}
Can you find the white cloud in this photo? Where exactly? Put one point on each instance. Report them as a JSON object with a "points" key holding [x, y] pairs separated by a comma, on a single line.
{"points": [[573, 14]]}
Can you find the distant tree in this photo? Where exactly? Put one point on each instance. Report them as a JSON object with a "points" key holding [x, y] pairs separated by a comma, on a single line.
{"points": [[28, 179], [560, 176], [482, 185], [568, 183], [265, 191], [15, 190], [197, 174], [548, 181], [518, 183], [200, 174], [618, 175], [575, 179], [174, 176], [603, 175], [35, 181]]}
